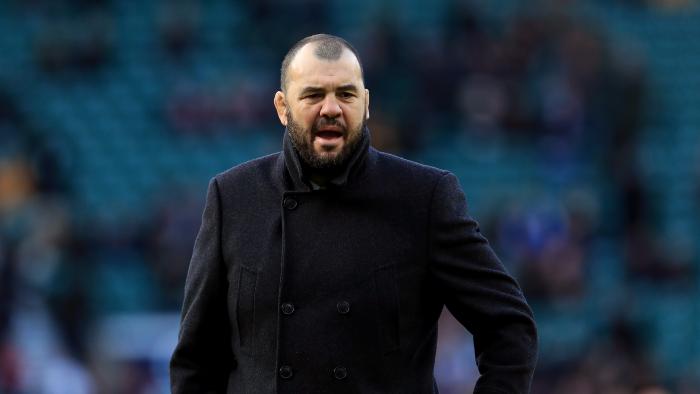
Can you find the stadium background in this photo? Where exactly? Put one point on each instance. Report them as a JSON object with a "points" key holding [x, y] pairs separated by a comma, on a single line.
{"points": [[574, 127]]}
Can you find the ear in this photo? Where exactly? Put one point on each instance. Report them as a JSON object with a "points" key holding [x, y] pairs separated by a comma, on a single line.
{"points": [[281, 107], [367, 103]]}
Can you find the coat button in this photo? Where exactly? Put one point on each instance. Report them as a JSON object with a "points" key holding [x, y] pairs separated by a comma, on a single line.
{"points": [[286, 372], [290, 203], [343, 307], [340, 372], [287, 308]]}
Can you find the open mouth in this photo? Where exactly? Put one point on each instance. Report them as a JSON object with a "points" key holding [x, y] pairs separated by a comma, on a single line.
{"points": [[329, 134]]}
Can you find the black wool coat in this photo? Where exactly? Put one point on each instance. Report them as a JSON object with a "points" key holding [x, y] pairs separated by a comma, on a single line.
{"points": [[295, 290]]}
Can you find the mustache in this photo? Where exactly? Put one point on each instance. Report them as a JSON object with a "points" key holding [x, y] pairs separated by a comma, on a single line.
{"points": [[324, 122]]}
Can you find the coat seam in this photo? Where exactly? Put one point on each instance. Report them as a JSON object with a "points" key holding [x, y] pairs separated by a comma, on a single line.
{"points": [[280, 285], [429, 233], [219, 214]]}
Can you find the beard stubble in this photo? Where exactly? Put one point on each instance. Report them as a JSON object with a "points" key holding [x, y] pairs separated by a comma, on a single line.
{"points": [[302, 139]]}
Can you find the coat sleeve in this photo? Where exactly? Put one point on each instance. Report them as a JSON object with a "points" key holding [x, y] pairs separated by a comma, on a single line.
{"points": [[202, 359], [480, 294]]}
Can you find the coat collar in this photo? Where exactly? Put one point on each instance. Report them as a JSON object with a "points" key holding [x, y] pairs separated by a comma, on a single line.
{"points": [[296, 178]]}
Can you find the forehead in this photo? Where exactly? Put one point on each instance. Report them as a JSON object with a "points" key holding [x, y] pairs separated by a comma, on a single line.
{"points": [[306, 69]]}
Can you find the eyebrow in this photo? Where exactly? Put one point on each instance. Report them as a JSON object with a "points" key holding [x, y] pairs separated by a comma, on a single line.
{"points": [[315, 89], [348, 87]]}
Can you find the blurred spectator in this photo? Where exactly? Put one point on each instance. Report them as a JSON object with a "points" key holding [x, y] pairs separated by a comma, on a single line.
{"points": [[547, 246], [170, 242], [205, 109], [454, 368], [16, 184], [388, 70], [652, 389], [276, 23], [673, 5], [10, 368], [615, 363], [178, 23], [65, 376], [7, 276], [79, 42]]}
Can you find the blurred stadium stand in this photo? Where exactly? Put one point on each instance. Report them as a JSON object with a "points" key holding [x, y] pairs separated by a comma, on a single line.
{"points": [[573, 126]]}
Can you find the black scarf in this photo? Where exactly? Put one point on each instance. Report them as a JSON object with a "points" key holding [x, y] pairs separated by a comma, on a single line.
{"points": [[299, 172]]}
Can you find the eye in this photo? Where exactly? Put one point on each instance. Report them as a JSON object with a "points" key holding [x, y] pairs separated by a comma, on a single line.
{"points": [[313, 96], [346, 95]]}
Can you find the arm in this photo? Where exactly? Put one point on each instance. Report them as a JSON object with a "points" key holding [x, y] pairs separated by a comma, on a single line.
{"points": [[202, 359], [480, 294]]}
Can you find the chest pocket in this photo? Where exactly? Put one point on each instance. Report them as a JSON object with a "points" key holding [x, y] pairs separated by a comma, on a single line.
{"points": [[245, 309], [386, 291]]}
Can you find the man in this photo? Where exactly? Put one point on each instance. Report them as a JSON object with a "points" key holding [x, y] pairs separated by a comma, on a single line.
{"points": [[324, 268]]}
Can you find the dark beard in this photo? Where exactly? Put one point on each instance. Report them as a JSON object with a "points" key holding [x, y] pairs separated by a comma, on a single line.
{"points": [[302, 139]]}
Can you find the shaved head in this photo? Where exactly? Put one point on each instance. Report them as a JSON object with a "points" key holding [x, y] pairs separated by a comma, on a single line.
{"points": [[328, 47]]}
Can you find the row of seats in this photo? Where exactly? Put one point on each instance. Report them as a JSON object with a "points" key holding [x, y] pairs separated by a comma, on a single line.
{"points": [[109, 132]]}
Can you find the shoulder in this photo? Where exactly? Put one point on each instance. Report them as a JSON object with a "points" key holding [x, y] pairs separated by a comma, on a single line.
{"points": [[395, 175], [252, 177], [399, 168], [249, 170]]}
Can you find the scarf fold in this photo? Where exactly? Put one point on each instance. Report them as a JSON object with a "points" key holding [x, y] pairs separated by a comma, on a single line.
{"points": [[298, 173]]}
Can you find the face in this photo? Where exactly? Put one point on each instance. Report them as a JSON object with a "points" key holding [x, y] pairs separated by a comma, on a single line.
{"points": [[324, 108]]}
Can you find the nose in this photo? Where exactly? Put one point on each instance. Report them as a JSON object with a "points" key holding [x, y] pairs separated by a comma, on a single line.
{"points": [[331, 108]]}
